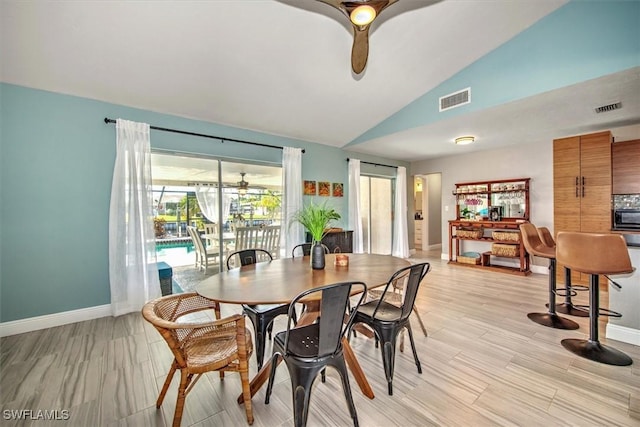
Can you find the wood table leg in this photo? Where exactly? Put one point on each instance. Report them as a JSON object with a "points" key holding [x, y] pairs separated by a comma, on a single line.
{"points": [[258, 381], [356, 369]]}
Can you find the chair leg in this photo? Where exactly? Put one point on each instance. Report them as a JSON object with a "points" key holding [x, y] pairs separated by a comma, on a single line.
{"points": [[551, 319], [567, 307], [341, 367], [301, 382], [165, 387], [272, 374], [413, 347], [592, 349], [388, 349], [424, 330], [246, 394], [259, 330], [182, 394]]}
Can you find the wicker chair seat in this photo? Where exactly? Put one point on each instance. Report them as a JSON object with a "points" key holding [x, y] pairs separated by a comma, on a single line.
{"points": [[214, 351]]}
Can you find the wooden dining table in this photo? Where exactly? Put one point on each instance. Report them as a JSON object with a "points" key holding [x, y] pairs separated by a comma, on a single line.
{"points": [[281, 280]]}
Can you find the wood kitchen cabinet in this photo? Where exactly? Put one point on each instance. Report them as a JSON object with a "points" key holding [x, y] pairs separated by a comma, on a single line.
{"points": [[625, 160], [582, 187]]}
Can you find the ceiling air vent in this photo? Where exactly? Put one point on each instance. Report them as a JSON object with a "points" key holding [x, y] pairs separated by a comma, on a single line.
{"points": [[455, 99], [609, 107]]}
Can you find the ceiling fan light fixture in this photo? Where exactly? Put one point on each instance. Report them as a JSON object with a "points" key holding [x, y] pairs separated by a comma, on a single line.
{"points": [[243, 185], [464, 140], [363, 15]]}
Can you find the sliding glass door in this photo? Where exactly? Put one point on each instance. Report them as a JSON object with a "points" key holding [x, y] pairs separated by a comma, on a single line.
{"points": [[376, 202], [213, 195]]}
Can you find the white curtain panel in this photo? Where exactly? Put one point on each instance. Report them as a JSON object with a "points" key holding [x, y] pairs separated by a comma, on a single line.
{"points": [[355, 216], [208, 200], [292, 233], [400, 246], [133, 273]]}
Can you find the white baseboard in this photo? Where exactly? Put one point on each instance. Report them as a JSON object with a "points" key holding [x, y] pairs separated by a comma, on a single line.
{"points": [[623, 333], [51, 320], [539, 269]]}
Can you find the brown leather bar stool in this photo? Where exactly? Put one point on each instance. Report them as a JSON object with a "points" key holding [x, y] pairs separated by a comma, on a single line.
{"points": [[566, 307], [595, 254], [534, 245]]}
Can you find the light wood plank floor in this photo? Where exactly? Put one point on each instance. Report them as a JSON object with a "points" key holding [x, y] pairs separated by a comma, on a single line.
{"points": [[484, 364]]}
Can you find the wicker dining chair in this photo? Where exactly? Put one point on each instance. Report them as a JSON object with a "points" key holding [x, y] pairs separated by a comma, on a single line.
{"points": [[200, 346]]}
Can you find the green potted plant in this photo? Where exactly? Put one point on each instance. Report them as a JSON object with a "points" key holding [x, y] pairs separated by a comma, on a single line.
{"points": [[317, 220]]}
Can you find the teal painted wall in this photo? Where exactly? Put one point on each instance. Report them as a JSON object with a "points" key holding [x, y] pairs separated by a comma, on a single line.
{"points": [[56, 160], [580, 41]]}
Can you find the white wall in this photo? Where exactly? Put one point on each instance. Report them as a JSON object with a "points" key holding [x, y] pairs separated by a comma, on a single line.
{"points": [[533, 161]]}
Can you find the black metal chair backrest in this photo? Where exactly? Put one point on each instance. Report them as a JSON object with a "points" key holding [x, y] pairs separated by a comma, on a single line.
{"points": [[249, 256], [333, 306], [413, 276], [306, 249]]}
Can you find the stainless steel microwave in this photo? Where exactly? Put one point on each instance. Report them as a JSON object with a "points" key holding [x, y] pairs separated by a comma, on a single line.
{"points": [[626, 219]]}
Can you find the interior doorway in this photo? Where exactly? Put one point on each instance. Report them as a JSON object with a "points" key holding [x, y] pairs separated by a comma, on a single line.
{"points": [[376, 203], [428, 208]]}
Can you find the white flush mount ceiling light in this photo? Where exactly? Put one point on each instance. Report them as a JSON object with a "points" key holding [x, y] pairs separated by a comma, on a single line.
{"points": [[363, 15], [464, 140]]}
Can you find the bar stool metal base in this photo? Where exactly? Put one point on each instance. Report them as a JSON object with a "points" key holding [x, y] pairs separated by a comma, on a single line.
{"points": [[571, 310], [553, 321], [597, 352]]}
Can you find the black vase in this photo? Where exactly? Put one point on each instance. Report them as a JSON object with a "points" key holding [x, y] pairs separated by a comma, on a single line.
{"points": [[317, 256]]}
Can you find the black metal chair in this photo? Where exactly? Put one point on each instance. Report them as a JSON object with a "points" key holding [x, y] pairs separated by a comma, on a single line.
{"points": [[306, 249], [388, 320], [309, 349], [261, 315]]}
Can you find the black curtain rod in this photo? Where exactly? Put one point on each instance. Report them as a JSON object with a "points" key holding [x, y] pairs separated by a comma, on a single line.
{"points": [[204, 135], [376, 164]]}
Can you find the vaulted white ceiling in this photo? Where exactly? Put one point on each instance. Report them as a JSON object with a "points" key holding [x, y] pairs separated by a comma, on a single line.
{"points": [[283, 67]]}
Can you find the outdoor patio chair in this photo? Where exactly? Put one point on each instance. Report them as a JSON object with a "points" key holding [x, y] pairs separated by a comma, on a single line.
{"points": [[204, 255]]}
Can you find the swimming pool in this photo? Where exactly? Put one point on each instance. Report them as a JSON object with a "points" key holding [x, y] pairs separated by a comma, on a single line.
{"points": [[175, 253]]}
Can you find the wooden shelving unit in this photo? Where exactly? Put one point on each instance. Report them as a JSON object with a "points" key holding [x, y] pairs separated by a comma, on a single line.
{"points": [[489, 192]]}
